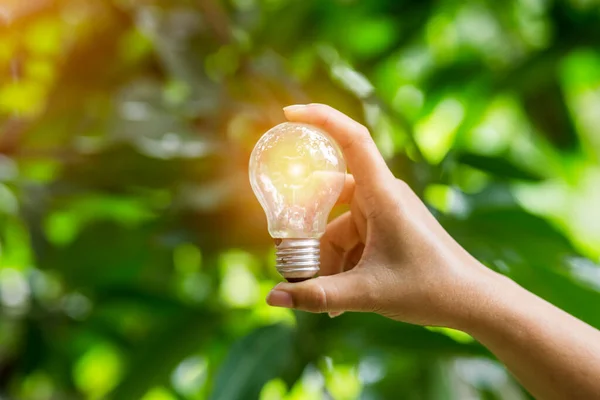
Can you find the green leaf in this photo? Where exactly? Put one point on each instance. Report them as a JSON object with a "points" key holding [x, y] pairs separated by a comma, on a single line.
{"points": [[155, 359], [253, 361], [498, 166], [459, 336], [98, 370], [435, 133], [532, 252], [159, 393], [370, 37], [547, 111], [371, 332], [15, 250]]}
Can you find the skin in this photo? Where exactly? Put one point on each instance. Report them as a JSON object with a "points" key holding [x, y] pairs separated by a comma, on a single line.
{"points": [[390, 256]]}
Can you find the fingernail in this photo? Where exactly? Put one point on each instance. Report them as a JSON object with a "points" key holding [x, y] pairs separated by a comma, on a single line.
{"points": [[334, 314], [279, 298], [294, 107]]}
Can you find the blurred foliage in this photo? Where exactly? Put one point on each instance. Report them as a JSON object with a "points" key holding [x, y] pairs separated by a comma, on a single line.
{"points": [[134, 259]]}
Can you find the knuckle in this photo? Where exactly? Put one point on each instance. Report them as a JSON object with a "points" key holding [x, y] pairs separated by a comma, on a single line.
{"points": [[373, 200], [363, 132], [357, 141], [366, 142], [348, 144], [326, 120], [320, 299], [361, 136], [402, 186], [315, 298]]}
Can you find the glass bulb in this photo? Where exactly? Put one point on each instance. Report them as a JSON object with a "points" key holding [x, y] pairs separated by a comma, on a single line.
{"points": [[297, 173]]}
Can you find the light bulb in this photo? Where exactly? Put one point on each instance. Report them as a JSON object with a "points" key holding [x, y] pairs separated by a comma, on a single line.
{"points": [[297, 172]]}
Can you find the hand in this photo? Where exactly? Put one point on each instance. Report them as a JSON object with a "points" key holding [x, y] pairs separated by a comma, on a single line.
{"points": [[388, 254]]}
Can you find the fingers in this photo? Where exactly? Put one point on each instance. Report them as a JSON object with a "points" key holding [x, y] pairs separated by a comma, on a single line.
{"points": [[348, 291], [329, 178], [340, 238], [347, 191], [363, 158]]}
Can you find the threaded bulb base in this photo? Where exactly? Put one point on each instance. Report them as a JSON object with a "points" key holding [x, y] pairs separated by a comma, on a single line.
{"points": [[297, 259]]}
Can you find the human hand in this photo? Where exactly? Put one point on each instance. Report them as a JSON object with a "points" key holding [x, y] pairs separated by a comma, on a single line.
{"points": [[388, 254]]}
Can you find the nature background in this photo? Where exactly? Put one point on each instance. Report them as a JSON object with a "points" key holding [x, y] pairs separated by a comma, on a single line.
{"points": [[134, 258]]}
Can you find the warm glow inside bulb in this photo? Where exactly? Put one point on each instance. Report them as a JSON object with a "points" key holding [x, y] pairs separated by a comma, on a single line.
{"points": [[297, 173], [297, 170]]}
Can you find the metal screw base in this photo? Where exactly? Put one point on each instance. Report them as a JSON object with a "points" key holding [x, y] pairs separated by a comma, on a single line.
{"points": [[297, 259]]}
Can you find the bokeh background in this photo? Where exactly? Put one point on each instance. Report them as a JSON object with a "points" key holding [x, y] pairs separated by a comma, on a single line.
{"points": [[134, 258]]}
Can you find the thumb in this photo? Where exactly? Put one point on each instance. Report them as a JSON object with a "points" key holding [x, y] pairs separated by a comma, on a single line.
{"points": [[347, 291]]}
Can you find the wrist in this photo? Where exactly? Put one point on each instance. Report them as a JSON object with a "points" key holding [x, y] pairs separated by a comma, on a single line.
{"points": [[485, 301]]}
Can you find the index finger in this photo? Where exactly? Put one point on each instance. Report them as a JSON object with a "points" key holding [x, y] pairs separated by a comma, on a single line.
{"points": [[362, 156], [328, 178]]}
